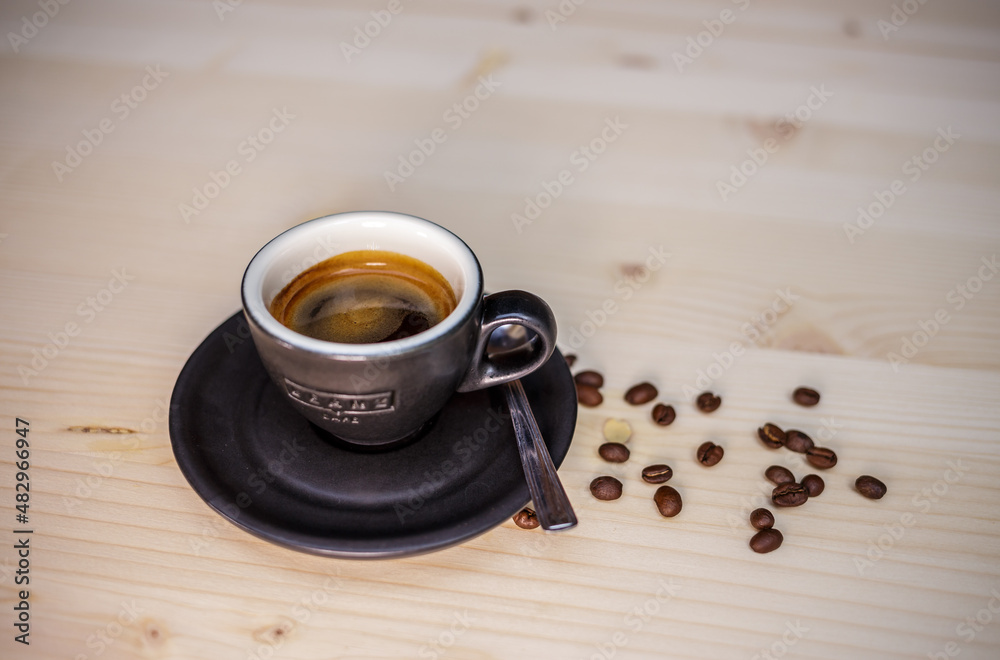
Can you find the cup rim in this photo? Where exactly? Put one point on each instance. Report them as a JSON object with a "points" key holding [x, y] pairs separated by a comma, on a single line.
{"points": [[251, 288]]}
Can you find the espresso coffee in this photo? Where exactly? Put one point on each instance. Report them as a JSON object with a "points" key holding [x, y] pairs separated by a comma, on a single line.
{"points": [[364, 297]]}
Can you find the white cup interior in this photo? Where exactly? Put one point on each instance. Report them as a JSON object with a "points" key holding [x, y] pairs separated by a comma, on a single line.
{"points": [[305, 245]]}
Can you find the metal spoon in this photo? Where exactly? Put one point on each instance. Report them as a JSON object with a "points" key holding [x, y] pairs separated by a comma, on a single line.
{"points": [[552, 506]]}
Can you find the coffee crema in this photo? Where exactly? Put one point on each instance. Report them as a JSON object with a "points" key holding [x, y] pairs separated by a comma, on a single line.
{"points": [[364, 297]]}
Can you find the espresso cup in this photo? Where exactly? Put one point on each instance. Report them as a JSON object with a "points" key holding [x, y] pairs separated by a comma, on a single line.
{"points": [[382, 393]]}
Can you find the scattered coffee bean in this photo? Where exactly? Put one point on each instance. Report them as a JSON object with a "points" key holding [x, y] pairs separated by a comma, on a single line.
{"points": [[526, 519], [591, 378], [870, 487], [617, 430], [805, 396], [821, 458], [787, 495], [641, 393], [814, 484], [663, 414], [657, 474], [710, 454], [772, 436], [798, 441], [589, 396], [614, 452], [766, 540], [570, 360], [606, 488], [761, 519], [708, 402], [778, 475], [668, 501]]}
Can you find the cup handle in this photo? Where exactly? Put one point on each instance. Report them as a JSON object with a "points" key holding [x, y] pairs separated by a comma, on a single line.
{"points": [[517, 308]]}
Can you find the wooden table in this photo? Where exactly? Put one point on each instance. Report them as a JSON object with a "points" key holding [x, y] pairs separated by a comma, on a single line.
{"points": [[150, 148]]}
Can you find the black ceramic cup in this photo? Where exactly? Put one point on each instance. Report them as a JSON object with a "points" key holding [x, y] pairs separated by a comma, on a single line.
{"points": [[381, 393]]}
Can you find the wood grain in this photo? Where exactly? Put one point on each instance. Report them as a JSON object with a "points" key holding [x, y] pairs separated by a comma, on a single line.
{"points": [[128, 562]]}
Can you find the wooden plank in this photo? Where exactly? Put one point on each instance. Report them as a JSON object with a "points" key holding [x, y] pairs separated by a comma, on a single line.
{"points": [[128, 562]]}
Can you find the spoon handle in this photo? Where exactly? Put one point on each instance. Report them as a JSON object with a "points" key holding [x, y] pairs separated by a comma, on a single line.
{"points": [[552, 506]]}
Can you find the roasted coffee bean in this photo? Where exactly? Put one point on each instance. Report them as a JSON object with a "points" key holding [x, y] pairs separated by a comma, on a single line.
{"points": [[668, 501], [792, 494], [526, 519], [821, 458], [588, 396], [814, 484], [778, 475], [708, 402], [870, 487], [591, 378], [663, 414], [570, 360], [766, 540], [614, 452], [805, 396], [641, 393], [606, 488], [772, 436], [761, 519], [657, 474], [798, 441], [709, 454]]}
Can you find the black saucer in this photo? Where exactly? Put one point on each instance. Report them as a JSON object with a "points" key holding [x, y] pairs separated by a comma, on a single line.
{"points": [[257, 462]]}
